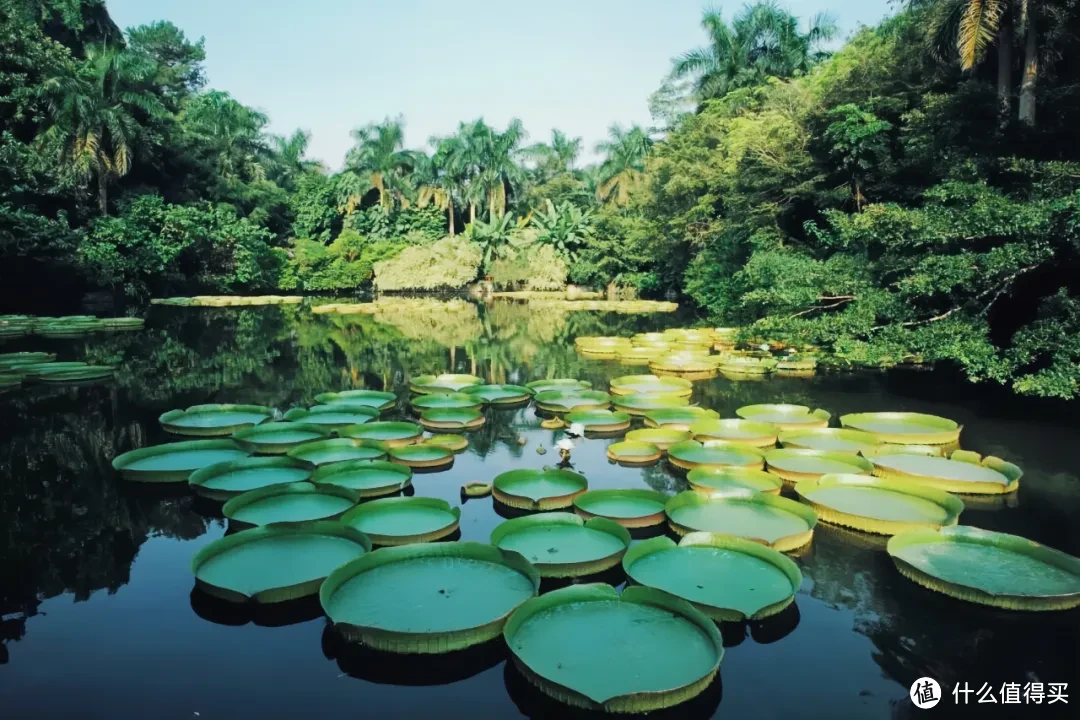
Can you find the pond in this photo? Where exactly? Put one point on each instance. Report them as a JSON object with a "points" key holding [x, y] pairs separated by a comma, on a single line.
{"points": [[99, 617]]}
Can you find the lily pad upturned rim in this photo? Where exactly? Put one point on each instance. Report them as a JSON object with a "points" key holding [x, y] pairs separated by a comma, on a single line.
{"points": [[364, 449], [805, 438], [680, 418], [721, 429], [305, 415], [168, 419], [386, 400], [575, 569], [238, 503], [1010, 472], [599, 420], [595, 592], [624, 385], [634, 452], [445, 400], [90, 372], [502, 489], [198, 479], [452, 419], [423, 643], [681, 365], [774, 463], [325, 475], [538, 386], [661, 437], [951, 504], [971, 593], [433, 456], [258, 438], [280, 594], [406, 433], [939, 430], [584, 501], [385, 504], [733, 476], [797, 416], [723, 542], [641, 403], [10, 360], [450, 441], [517, 393], [786, 543], [565, 401], [452, 382], [121, 462], [679, 454]]}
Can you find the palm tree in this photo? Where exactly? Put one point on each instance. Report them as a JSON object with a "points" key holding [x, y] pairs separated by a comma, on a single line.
{"points": [[623, 170], [499, 171], [378, 161], [763, 40], [232, 130], [435, 182], [289, 162], [556, 158], [97, 115]]}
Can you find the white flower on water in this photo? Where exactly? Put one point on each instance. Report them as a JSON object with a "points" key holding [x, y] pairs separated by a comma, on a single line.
{"points": [[576, 430], [565, 444]]}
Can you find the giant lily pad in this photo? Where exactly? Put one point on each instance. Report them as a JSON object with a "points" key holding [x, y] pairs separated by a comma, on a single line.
{"points": [[174, 462], [450, 441], [741, 365], [78, 375], [589, 647], [394, 434], [374, 398], [794, 465], [727, 578], [599, 421], [335, 416], [641, 355], [8, 360], [276, 563], [905, 428], [326, 452], [214, 420], [564, 401], [962, 472], [682, 365], [662, 438], [785, 417], [422, 456], [720, 479], [714, 453], [780, 523], [460, 400], [634, 384], [501, 394], [989, 568], [427, 598], [632, 508], [642, 403], [294, 503], [35, 371], [601, 348], [877, 505], [678, 418], [404, 520], [831, 439], [367, 478], [445, 383], [529, 489], [226, 480], [634, 453], [451, 419], [748, 432], [278, 438], [539, 386], [562, 544]]}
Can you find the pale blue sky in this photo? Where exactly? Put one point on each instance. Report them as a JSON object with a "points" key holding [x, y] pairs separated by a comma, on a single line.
{"points": [[330, 65]]}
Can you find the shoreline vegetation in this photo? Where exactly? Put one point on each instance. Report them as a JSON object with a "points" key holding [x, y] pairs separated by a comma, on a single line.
{"points": [[911, 190]]}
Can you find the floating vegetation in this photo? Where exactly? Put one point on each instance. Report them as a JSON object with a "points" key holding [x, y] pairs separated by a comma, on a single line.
{"points": [[35, 371], [642, 403], [501, 394], [730, 579], [634, 453], [539, 386], [905, 428], [393, 434], [554, 423], [278, 438], [785, 417], [879, 506], [459, 400], [797, 464], [325, 452], [367, 478], [174, 462], [797, 367], [450, 441], [782, 524], [565, 401], [8, 360], [679, 418], [529, 489], [599, 421], [962, 472], [831, 439], [404, 520], [748, 432], [452, 419], [228, 300], [422, 456], [989, 568], [275, 563], [742, 365], [374, 398], [79, 375], [662, 438], [427, 598], [633, 384], [691, 454], [562, 544], [335, 417], [601, 348], [445, 383], [632, 508], [214, 420], [9, 381], [689, 367], [719, 479], [641, 355], [624, 307], [572, 644], [475, 489], [293, 503], [226, 480]]}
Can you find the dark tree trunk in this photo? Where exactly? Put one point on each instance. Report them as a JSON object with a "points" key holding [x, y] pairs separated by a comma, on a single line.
{"points": [[1031, 70], [103, 194], [1004, 71]]}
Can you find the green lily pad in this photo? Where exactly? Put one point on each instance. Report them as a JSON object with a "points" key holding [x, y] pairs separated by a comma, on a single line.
{"points": [[450, 441], [530, 489], [427, 598], [831, 439], [714, 453], [26, 358], [539, 386], [335, 416], [367, 478], [294, 503], [599, 421], [326, 452], [278, 438], [34, 371], [373, 398], [443, 383], [562, 544], [794, 465], [585, 645], [962, 472], [651, 384], [785, 417], [634, 453], [775, 521], [174, 462], [748, 432], [719, 479], [642, 403], [276, 563], [394, 434], [213, 420], [727, 578], [83, 374], [422, 456], [879, 506], [404, 520], [451, 419], [460, 400], [501, 394], [684, 364], [632, 508], [226, 480], [662, 438], [565, 401], [680, 418], [905, 428]]}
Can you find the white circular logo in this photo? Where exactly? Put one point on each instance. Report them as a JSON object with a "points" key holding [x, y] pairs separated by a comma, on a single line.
{"points": [[925, 693]]}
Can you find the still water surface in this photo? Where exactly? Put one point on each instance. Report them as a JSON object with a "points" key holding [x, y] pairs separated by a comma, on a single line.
{"points": [[98, 617]]}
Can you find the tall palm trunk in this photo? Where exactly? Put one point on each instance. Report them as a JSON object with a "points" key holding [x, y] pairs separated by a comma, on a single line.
{"points": [[103, 193], [1031, 67], [1004, 71], [450, 214], [472, 212]]}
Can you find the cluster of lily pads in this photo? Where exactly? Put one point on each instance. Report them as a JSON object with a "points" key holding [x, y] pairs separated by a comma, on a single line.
{"points": [[71, 326], [229, 300], [41, 367]]}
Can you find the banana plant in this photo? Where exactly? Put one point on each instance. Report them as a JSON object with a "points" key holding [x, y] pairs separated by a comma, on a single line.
{"points": [[565, 227]]}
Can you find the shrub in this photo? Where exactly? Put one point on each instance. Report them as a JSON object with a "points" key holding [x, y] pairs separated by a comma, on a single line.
{"points": [[345, 264], [450, 263], [538, 267]]}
